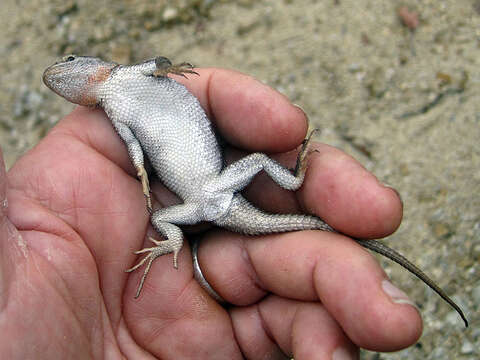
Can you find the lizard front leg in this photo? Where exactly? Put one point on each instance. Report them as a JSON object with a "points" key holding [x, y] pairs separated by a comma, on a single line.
{"points": [[165, 67], [136, 156]]}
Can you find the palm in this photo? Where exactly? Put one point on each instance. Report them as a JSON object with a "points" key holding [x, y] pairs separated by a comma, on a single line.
{"points": [[81, 212]]}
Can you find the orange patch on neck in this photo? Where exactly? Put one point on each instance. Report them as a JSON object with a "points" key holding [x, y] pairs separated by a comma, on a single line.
{"points": [[100, 75], [94, 79]]}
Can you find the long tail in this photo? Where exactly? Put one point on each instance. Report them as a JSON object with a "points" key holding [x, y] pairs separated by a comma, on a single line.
{"points": [[384, 250], [245, 218], [242, 217]]}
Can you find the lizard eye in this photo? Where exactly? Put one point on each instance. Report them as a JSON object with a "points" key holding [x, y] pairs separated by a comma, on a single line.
{"points": [[69, 58]]}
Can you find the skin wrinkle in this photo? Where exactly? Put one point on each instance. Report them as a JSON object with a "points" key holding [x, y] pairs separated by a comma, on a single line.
{"points": [[317, 290], [7, 288], [292, 333], [266, 328], [310, 292], [252, 272], [312, 280], [59, 287], [268, 348], [209, 107], [185, 294], [248, 282], [68, 301], [292, 327], [234, 335], [124, 338], [64, 231]]}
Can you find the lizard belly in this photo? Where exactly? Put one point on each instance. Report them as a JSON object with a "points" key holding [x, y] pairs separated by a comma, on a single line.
{"points": [[215, 205], [183, 159]]}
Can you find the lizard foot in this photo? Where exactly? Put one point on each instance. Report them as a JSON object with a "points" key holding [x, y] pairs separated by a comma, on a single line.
{"points": [[165, 67], [163, 247], [301, 166], [142, 174]]}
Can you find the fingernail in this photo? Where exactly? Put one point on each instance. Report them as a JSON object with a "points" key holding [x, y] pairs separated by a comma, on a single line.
{"points": [[397, 295], [342, 354]]}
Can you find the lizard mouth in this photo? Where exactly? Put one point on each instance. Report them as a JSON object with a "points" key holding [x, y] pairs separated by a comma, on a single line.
{"points": [[50, 77], [55, 74]]}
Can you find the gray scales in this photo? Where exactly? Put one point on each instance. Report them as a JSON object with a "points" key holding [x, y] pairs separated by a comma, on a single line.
{"points": [[158, 117]]}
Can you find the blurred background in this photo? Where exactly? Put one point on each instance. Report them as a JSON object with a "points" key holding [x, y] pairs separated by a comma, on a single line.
{"points": [[393, 83]]}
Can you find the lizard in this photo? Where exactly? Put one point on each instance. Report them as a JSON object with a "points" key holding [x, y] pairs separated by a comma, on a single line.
{"points": [[158, 118]]}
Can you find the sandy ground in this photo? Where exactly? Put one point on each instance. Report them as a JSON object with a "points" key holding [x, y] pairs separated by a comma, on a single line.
{"points": [[404, 102]]}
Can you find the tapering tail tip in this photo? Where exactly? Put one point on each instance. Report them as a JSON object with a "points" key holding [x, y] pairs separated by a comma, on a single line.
{"points": [[393, 255]]}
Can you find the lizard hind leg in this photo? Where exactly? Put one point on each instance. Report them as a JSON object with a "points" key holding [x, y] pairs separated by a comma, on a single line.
{"points": [[172, 244], [165, 222], [165, 67], [161, 248], [237, 175]]}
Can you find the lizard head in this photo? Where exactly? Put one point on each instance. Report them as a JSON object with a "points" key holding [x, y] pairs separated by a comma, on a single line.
{"points": [[77, 78]]}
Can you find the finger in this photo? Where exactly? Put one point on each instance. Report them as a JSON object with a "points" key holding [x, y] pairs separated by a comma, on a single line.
{"points": [[310, 266], [348, 197], [300, 329], [338, 189], [248, 113], [94, 129]]}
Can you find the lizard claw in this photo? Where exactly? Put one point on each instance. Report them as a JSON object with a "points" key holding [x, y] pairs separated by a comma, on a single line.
{"points": [[142, 174], [302, 155], [150, 257], [161, 248]]}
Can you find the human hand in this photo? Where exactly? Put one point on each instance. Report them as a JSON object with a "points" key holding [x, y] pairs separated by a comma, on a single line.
{"points": [[80, 213]]}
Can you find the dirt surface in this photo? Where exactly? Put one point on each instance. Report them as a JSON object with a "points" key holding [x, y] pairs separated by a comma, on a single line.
{"points": [[399, 94]]}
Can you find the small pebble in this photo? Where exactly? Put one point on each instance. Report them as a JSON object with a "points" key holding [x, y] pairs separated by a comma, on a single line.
{"points": [[408, 18], [467, 347], [169, 14]]}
